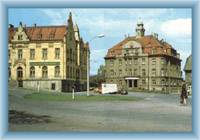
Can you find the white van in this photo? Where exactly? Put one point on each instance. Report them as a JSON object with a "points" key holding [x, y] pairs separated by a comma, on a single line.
{"points": [[109, 88]]}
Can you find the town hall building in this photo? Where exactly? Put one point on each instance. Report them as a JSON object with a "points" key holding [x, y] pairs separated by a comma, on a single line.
{"points": [[143, 62]]}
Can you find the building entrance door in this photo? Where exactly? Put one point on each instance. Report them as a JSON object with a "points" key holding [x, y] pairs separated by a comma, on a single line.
{"points": [[20, 76], [130, 83], [135, 83], [53, 86], [20, 83]]}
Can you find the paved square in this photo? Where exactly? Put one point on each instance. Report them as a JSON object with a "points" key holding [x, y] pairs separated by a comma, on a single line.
{"points": [[154, 113]]}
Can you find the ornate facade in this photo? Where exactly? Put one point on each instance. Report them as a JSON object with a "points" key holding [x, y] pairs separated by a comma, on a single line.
{"points": [[143, 62], [48, 57]]}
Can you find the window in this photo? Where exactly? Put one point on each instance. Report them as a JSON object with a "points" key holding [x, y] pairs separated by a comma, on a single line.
{"points": [[143, 61], [71, 72], [143, 72], [153, 82], [32, 54], [70, 55], [130, 61], [57, 53], [136, 51], [19, 72], [135, 72], [57, 71], [32, 72], [53, 86], [130, 72], [127, 52], [44, 72], [120, 62], [163, 61], [162, 72], [44, 53], [68, 72], [162, 82], [135, 61], [120, 72], [130, 83], [143, 82], [126, 61], [20, 37], [154, 51], [20, 54], [51, 36], [153, 72], [120, 82], [153, 61], [8, 54], [111, 62]]}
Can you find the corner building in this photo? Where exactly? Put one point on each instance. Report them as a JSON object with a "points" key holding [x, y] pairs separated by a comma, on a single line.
{"points": [[47, 57], [145, 63]]}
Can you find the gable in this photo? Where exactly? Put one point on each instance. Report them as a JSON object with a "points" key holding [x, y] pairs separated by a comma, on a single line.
{"points": [[132, 44], [20, 35]]}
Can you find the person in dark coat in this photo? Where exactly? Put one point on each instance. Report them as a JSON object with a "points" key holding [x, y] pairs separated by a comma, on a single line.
{"points": [[183, 96]]}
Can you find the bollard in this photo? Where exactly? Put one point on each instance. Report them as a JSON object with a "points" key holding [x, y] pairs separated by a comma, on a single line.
{"points": [[73, 93]]}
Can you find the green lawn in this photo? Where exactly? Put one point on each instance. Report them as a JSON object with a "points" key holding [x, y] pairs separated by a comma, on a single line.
{"points": [[67, 97]]}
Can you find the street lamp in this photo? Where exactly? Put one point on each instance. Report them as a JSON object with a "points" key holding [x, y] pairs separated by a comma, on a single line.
{"points": [[88, 65]]}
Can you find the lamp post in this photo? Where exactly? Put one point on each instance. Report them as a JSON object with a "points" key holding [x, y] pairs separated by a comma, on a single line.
{"points": [[88, 63]]}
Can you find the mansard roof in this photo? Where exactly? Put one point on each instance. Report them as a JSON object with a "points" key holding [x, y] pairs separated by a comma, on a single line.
{"points": [[147, 42]]}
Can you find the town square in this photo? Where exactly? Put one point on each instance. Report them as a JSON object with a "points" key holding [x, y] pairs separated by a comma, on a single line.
{"points": [[88, 70]]}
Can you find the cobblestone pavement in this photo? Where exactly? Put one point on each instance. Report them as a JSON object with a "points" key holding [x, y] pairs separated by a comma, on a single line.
{"points": [[155, 113]]}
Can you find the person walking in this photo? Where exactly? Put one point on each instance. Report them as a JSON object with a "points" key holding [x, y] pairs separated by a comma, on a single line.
{"points": [[183, 95]]}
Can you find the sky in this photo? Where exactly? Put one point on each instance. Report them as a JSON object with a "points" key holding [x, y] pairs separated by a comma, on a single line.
{"points": [[172, 25]]}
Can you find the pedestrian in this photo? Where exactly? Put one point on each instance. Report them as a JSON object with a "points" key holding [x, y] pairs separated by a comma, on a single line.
{"points": [[183, 96]]}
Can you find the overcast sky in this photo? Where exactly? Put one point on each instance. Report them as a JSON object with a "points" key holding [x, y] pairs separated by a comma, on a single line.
{"points": [[173, 25]]}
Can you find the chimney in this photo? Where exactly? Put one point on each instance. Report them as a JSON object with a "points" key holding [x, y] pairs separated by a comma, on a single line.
{"points": [[155, 35]]}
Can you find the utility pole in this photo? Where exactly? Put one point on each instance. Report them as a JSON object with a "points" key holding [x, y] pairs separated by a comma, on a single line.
{"points": [[88, 63]]}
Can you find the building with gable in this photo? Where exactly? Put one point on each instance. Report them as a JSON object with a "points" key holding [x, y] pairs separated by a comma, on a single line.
{"points": [[47, 57]]}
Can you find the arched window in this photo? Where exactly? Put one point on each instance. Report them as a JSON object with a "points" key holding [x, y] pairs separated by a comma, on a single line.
{"points": [[57, 71], [32, 72], [44, 72], [162, 82], [19, 72]]}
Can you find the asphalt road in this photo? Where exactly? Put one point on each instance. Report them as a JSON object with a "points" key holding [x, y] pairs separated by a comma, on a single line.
{"points": [[155, 113]]}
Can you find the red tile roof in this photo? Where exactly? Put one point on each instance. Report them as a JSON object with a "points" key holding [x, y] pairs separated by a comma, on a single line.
{"points": [[148, 43], [41, 32]]}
